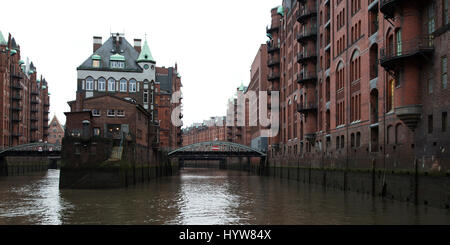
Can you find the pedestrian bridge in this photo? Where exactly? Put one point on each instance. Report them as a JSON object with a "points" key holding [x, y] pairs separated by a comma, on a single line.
{"points": [[215, 150], [32, 149]]}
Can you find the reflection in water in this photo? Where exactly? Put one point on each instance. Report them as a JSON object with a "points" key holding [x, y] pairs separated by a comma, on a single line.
{"points": [[31, 200], [201, 196]]}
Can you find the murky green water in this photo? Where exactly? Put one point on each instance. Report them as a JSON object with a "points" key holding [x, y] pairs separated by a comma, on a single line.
{"points": [[201, 197]]}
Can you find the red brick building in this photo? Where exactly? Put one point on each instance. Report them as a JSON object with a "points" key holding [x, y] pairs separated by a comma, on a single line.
{"points": [[211, 130], [24, 98], [55, 131], [129, 72], [361, 79], [109, 116]]}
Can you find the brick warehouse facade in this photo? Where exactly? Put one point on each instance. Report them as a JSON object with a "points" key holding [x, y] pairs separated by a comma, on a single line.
{"points": [[129, 72], [25, 101], [55, 131], [361, 79]]}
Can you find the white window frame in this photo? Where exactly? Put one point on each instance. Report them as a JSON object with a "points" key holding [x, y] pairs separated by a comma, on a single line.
{"points": [[108, 113], [96, 113], [123, 85], [112, 82], [132, 86], [100, 82], [120, 113]]}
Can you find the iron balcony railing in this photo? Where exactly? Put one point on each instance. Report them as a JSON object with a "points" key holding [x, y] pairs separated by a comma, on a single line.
{"points": [[307, 34], [307, 106], [306, 55], [273, 27], [306, 76], [273, 76], [16, 85], [33, 92], [305, 13], [16, 97], [404, 49], [34, 101], [273, 46], [273, 62], [34, 119]]}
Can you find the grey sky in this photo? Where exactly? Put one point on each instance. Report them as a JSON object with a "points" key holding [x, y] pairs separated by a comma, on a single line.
{"points": [[213, 42]]}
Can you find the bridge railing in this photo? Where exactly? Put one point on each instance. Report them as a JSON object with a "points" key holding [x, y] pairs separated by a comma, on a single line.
{"points": [[33, 147]]}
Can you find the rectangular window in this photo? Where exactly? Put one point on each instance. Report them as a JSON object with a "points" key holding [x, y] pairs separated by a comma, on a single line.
{"points": [[430, 124], [430, 86], [111, 113], [117, 64], [96, 131], [96, 63], [444, 121], [96, 113], [445, 12], [120, 113], [444, 71]]}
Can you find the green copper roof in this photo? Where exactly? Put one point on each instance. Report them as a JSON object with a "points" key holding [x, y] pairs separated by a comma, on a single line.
{"points": [[96, 57], [13, 52], [21, 62], [38, 80], [30, 72], [117, 57], [145, 54], [280, 10], [2, 39], [44, 87], [241, 88], [49, 93]]}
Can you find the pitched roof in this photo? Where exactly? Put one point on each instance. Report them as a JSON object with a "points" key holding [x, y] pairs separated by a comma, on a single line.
{"points": [[107, 50], [146, 54]]}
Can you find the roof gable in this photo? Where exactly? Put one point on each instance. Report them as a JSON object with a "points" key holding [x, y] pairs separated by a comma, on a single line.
{"points": [[108, 50]]}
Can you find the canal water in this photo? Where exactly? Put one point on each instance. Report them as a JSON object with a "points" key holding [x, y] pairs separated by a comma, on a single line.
{"points": [[201, 197]]}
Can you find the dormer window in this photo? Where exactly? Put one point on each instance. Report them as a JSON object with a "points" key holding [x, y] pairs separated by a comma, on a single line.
{"points": [[117, 61], [96, 59]]}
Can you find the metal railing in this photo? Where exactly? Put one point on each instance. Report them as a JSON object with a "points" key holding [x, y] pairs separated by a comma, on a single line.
{"points": [[306, 106], [309, 32], [407, 48]]}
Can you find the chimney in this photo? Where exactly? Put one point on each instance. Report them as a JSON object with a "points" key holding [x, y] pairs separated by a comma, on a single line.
{"points": [[97, 43], [137, 45]]}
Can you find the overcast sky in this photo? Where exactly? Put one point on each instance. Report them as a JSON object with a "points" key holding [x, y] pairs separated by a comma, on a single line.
{"points": [[214, 42]]}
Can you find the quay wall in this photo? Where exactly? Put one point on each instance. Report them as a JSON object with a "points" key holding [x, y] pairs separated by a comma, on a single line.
{"points": [[22, 165], [85, 164]]}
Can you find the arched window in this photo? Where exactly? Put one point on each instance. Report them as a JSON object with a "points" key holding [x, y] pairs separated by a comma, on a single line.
{"points": [[355, 67], [101, 84], [90, 83], [132, 88], [399, 134], [111, 85], [340, 76], [123, 85], [358, 139]]}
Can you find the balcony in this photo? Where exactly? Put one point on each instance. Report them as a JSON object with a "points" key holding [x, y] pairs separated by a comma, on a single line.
{"points": [[16, 119], [34, 110], [46, 104], [273, 28], [388, 7], [305, 13], [16, 97], [16, 108], [273, 62], [410, 50], [46, 126], [34, 102], [273, 76], [16, 85], [307, 34], [273, 47], [34, 92], [16, 75], [34, 119], [306, 56], [33, 128], [46, 120], [310, 106], [305, 77]]}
